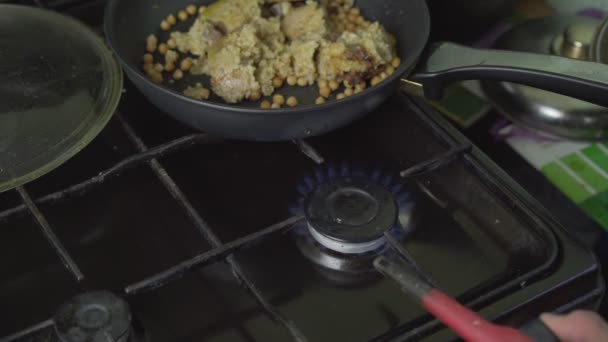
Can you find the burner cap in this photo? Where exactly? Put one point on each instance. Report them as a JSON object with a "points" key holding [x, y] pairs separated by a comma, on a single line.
{"points": [[350, 215], [93, 317]]}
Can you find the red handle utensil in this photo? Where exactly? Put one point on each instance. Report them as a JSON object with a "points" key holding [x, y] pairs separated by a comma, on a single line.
{"points": [[463, 321]]}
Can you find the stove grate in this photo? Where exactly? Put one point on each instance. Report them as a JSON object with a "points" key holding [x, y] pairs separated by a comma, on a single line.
{"points": [[220, 251]]}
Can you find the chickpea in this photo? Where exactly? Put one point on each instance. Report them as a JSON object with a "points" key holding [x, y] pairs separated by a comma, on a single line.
{"points": [[169, 67], [159, 67], [325, 92], [376, 80], [360, 20], [148, 58], [277, 82], [396, 62], [383, 75], [205, 93], [302, 82], [201, 9], [265, 104], [355, 11], [255, 96], [186, 64], [292, 80], [292, 101], [358, 90], [162, 48], [178, 75], [164, 25], [361, 86], [156, 77], [191, 9], [275, 106], [340, 96], [171, 20], [323, 84], [148, 68], [171, 43], [182, 15], [334, 85], [278, 99], [320, 100], [348, 91], [151, 43]]}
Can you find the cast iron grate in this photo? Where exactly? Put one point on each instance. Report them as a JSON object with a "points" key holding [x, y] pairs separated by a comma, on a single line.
{"points": [[220, 251]]}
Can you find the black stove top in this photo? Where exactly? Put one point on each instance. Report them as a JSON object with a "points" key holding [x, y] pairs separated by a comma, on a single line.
{"points": [[197, 236]]}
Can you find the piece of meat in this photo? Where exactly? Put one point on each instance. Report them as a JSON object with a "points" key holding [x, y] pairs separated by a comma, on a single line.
{"points": [[230, 15], [231, 64], [213, 34], [303, 53], [306, 22], [334, 62], [374, 40], [235, 85]]}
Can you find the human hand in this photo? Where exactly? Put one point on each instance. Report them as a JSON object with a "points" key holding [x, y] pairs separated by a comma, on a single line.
{"points": [[578, 326]]}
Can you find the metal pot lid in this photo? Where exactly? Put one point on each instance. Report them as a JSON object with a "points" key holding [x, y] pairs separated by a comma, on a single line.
{"points": [[599, 48], [543, 111], [60, 86]]}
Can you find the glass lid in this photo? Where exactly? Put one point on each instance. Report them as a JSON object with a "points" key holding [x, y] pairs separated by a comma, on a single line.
{"points": [[60, 85]]}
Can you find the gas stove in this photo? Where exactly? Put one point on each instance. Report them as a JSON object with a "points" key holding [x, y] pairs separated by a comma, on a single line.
{"points": [[155, 232]]}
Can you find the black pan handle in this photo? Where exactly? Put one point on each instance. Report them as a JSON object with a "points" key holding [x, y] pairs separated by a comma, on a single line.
{"points": [[448, 62]]}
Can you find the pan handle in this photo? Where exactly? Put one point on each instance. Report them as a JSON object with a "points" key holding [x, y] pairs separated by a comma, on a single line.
{"points": [[448, 62]]}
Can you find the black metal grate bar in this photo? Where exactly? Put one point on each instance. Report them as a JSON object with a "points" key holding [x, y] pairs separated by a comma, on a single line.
{"points": [[18, 336], [210, 257], [309, 151], [49, 234], [437, 162], [208, 234], [127, 163]]}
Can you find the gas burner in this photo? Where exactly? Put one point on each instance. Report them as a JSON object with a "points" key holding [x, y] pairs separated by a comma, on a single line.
{"points": [[350, 215], [94, 316], [348, 211]]}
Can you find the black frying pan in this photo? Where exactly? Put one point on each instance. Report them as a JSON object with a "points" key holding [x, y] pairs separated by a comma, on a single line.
{"points": [[129, 22]]}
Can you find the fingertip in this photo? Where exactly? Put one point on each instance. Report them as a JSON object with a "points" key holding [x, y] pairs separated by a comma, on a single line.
{"points": [[549, 318], [578, 325]]}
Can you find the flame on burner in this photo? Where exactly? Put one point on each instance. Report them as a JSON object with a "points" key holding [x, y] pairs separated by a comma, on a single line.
{"points": [[322, 174]]}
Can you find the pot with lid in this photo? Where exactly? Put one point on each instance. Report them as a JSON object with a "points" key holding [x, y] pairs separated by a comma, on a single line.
{"points": [[546, 112]]}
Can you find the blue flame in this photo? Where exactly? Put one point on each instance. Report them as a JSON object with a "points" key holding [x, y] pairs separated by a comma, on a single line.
{"points": [[396, 188], [330, 171], [403, 198], [376, 174], [387, 181]]}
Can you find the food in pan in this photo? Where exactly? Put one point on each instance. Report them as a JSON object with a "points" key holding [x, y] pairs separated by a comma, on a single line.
{"points": [[251, 48]]}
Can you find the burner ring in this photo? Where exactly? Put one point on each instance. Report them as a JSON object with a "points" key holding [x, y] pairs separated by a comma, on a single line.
{"points": [[93, 316], [350, 215]]}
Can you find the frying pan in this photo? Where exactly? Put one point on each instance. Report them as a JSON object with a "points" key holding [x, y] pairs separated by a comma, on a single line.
{"points": [[128, 22]]}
